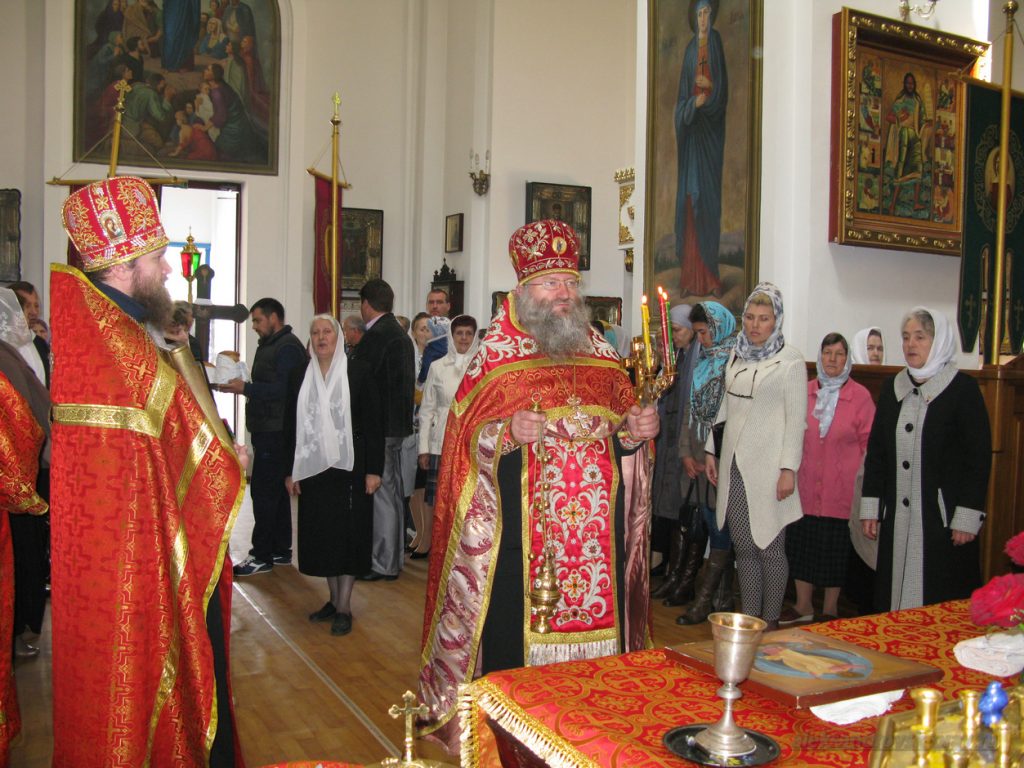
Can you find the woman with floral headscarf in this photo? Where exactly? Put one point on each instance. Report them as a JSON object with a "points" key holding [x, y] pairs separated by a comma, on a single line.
{"points": [[715, 328], [764, 416], [926, 472], [839, 415]]}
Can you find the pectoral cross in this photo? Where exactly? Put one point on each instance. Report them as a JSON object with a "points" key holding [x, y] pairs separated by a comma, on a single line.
{"points": [[409, 711], [578, 418]]}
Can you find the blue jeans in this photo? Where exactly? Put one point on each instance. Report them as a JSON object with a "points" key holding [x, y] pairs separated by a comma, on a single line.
{"points": [[719, 538]]}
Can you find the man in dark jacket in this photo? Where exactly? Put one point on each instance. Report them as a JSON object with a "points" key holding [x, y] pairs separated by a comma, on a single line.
{"points": [[277, 353], [388, 349]]}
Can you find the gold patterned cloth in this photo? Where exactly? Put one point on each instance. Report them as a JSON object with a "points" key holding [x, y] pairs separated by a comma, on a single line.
{"points": [[614, 712], [145, 490]]}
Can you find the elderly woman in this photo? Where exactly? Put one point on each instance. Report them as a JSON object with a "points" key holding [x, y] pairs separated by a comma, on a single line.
{"points": [[764, 415], [926, 472], [442, 382], [334, 422], [868, 347], [839, 416]]}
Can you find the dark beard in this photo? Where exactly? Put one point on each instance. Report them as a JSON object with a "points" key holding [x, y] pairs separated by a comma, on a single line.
{"points": [[153, 296], [558, 337]]}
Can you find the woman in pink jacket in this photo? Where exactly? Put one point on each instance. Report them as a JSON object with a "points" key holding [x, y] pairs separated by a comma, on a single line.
{"points": [[839, 416]]}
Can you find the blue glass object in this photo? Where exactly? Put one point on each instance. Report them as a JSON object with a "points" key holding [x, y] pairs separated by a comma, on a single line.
{"points": [[992, 704]]}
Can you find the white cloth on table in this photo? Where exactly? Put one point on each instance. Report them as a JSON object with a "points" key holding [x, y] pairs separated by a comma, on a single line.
{"points": [[1000, 654], [852, 710]]}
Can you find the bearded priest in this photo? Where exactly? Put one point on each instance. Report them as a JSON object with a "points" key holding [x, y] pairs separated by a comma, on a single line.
{"points": [[541, 485], [146, 486]]}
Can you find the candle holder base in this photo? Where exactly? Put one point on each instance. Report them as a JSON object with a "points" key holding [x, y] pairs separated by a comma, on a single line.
{"points": [[682, 741]]}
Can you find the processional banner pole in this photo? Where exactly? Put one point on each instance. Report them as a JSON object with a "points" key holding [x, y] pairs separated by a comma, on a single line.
{"points": [[335, 122], [997, 297]]}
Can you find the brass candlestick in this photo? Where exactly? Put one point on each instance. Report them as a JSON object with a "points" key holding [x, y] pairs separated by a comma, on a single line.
{"points": [[649, 383]]}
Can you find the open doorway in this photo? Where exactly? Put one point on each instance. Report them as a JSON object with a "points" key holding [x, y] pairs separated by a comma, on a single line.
{"points": [[212, 212]]}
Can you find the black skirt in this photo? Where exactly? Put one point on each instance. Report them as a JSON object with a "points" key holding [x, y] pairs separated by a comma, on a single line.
{"points": [[335, 531], [817, 549]]}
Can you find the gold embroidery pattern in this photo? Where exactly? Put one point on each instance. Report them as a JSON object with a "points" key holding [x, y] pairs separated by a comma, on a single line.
{"points": [[200, 443]]}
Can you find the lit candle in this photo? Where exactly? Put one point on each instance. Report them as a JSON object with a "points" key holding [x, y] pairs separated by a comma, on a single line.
{"points": [[665, 343], [645, 322]]}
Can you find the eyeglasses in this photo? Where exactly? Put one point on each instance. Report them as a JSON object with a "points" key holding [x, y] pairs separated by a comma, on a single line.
{"points": [[571, 284], [750, 394]]}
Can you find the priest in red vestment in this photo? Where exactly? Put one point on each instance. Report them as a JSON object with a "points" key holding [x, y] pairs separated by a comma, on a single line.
{"points": [[540, 456], [145, 489], [21, 440]]}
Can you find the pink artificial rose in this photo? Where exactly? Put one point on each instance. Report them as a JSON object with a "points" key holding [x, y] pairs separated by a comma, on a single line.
{"points": [[1000, 602], [1015, 548]]}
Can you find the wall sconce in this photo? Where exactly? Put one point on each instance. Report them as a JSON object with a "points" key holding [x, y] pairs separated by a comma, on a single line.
{"points": [[481, 176], [925, 11]]}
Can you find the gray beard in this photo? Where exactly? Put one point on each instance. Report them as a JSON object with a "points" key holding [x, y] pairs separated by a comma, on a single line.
{"points": [[557, 337]]}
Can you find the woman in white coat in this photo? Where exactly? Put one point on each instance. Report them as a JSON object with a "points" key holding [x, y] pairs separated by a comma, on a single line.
{"points": [[439, 390], [764, 413]]}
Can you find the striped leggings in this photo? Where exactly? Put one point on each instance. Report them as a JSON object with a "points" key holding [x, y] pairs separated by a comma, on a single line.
{"points": [[762, 572]]}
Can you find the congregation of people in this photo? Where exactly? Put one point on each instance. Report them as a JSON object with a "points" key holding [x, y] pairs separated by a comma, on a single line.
{"points": [[810, 481], [499, 451]]}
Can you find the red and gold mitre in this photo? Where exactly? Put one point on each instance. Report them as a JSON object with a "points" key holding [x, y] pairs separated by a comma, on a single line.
{"points": [[544, 246], [113, 221]]}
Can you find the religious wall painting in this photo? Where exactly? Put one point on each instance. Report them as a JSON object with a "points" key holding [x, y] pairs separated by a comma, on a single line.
{"points": [[897, 133], [10, 235], [703, 149], [563, 202], [204, 79], [361, 246]]}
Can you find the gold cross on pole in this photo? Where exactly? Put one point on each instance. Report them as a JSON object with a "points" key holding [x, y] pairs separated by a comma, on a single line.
{"points": [[409, 711]]}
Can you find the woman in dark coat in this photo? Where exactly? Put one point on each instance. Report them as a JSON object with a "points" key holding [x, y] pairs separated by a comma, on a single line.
{"points": [[926, 472], [334, 424]]}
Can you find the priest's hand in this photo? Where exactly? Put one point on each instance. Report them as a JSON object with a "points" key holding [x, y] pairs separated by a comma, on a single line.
{"points": [[643, 423], [292, 486], [527, 426], [372, 484]]}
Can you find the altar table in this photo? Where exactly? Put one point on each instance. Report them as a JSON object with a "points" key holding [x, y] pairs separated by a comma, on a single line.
{"points": [[614, 711]]}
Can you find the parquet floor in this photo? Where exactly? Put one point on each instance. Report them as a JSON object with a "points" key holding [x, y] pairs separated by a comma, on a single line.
{"points": [[301, 693]]}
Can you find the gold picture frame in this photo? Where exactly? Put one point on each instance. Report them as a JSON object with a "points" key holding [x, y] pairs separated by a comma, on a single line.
{"points": [[897, 133]]}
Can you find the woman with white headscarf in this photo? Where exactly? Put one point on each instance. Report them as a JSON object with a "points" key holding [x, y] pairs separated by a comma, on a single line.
{"points": [[868, 347], [926, 472], [764, 412], [15, 331], [335, 425], [839, 416]]}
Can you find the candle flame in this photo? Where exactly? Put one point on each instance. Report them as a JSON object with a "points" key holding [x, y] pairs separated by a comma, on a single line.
{"points": [[643, 299]]}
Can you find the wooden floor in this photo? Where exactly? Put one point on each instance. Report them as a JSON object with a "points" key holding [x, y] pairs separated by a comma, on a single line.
{"points": [[299, 692]]}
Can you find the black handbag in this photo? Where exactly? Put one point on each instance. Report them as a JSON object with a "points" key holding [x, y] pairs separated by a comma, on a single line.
{"points": [[691, 512]]}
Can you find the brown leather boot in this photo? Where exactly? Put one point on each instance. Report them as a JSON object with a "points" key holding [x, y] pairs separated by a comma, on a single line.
{"points": [[673, 571], [719, 562]]}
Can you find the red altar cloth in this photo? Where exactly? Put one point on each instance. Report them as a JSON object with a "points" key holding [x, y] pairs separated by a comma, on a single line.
{"points": [[614, 711]]}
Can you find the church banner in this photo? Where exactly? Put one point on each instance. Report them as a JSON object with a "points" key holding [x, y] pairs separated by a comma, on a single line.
{"points": [[322, 245], [977, 274]]}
